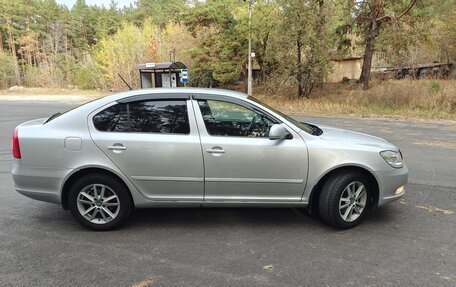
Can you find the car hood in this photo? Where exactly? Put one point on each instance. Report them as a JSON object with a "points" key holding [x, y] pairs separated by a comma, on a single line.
{"points": [[346, 136]]}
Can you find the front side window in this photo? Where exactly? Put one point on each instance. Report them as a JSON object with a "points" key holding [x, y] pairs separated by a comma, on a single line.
{"points": [[229, 119], [158, 116], [308, 128]]}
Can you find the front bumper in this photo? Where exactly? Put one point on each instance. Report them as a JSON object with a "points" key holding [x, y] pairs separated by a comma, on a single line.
{"points": [[388, 182]]}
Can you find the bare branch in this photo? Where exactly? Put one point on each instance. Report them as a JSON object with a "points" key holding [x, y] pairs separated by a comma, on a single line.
{"points": [[390, 18], [406, 10], [384, 18]]}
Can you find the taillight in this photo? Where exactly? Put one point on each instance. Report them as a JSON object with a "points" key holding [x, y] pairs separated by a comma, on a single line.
{"points": [[16, 148]]}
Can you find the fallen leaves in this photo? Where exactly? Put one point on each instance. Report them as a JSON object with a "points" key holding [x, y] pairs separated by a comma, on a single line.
{"points": [[269, 268], [437, 144], [147, 282], [436, 209]]}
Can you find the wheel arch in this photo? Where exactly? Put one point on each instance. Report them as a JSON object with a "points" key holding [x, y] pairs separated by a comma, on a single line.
{"points": [[316, 191], [72, 178]]}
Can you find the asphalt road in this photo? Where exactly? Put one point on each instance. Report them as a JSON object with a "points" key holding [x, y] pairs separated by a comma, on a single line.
{"points": [[411, 242]]}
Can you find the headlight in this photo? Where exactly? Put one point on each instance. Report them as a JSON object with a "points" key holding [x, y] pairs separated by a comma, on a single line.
{"points": [[393, 158]]}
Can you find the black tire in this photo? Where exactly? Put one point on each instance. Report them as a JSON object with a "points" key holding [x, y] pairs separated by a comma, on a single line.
{"points": [[333, 189], [118, 188]]}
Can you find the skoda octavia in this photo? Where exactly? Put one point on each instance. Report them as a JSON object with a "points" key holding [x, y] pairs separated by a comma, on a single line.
{"points": [[188, 147]]}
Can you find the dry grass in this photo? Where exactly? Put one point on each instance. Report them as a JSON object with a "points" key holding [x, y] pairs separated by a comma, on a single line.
{"points": [[417, 99], [50, 92], [427, 99]]}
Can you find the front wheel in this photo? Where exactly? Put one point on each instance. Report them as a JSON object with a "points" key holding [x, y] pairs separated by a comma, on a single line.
{"points": [[100, 202], [344, 200]]}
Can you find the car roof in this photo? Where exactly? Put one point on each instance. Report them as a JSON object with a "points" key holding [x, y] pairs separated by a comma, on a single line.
{"points": [[89, 107], [189, 91]]}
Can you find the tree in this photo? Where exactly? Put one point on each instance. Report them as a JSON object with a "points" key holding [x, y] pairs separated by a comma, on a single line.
{"points": [[444, 34], [371, 14], [175, 37], [7, 69], [120, 53], [266, 18], [87, 24], [44, 43], [13, 23], [160, 12], [307, 59], [222, 53], [108, 21]]}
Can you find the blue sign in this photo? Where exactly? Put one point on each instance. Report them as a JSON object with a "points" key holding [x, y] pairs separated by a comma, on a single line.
{"points": [[184, 73]]}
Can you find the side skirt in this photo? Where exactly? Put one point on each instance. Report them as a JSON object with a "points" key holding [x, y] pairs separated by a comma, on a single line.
{"points": [[189, 204]]}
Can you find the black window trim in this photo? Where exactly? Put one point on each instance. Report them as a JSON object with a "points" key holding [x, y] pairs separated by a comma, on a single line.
{"points": [[141, 99], [151, 97]]}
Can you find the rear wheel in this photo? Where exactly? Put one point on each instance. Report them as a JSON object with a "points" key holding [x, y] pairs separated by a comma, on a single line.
{"points": [[344, 199], [100, 202]]}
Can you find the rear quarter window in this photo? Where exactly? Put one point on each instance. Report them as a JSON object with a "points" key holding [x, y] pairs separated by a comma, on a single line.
{"points": [[112, 119]]}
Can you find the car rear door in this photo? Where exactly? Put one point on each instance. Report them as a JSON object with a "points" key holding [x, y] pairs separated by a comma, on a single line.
{"points": [[153, 140], [241, 164]]}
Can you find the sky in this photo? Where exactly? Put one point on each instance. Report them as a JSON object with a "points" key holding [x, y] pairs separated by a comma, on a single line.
{"points": [[120, 3]]}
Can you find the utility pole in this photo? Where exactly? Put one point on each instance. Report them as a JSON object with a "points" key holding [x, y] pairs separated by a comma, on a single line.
{"points": [[249, 77], [172, 55]]}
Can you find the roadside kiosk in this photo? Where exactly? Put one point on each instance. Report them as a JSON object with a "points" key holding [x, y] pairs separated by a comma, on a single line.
{"points": [[162, 74]]}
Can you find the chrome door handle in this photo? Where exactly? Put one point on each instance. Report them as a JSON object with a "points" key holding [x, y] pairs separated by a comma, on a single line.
{"points": [[117, 147], [215, 150]]}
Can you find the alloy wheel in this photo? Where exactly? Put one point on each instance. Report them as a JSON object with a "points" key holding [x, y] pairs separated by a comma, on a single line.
{"points": [[98, 203], [352, 201]]}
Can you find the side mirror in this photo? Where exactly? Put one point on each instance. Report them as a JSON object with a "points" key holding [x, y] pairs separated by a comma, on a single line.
{"points": [[278, 132]]}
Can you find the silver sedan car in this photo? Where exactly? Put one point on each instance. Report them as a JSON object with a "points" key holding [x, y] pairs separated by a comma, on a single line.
{"points": [[188, 147]]}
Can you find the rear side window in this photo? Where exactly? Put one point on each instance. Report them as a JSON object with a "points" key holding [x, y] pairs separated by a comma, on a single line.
{"points": [[169, 117], [160, 116]]}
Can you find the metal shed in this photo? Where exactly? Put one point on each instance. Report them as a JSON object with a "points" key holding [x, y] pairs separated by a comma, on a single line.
{"points": [[345, 68], [160, 74]]}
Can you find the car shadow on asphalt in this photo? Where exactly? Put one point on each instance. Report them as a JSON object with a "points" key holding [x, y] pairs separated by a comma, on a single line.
{"points": [[383, 214], [241, 217], [160, 218]]}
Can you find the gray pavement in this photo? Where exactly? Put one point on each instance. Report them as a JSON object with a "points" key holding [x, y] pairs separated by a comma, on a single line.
{"points": [[411, 242]]}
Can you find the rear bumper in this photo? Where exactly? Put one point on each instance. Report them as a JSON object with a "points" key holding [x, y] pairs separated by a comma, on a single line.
{"points": [[38, 183], [389, 182], [40, 195]]}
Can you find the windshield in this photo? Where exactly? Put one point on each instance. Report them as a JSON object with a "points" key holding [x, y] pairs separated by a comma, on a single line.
{"points": [[308, 128]]}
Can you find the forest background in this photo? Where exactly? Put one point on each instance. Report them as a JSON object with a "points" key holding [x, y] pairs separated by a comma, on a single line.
{"points": [[47, 45]]}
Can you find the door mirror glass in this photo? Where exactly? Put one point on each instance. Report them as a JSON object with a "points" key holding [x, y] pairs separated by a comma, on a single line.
{"points": [[278, 132]]}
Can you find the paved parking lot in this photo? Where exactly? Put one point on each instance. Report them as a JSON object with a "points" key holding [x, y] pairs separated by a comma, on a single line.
{"points": [[411, 242]]}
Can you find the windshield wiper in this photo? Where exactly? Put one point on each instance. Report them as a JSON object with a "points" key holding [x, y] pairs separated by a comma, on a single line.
{"points": [[316, 131]]}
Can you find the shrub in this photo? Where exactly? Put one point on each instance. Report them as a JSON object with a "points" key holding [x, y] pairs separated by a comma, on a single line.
{"points": [[7, 77], [88, 76], [434, 87], [47, 75]]}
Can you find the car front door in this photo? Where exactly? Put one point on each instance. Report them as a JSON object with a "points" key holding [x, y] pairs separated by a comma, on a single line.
{"points": [[241, 163], [155, 142]]}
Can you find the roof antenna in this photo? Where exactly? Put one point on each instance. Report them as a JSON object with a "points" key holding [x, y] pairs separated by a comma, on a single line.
{"points": [[129, 87]]}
